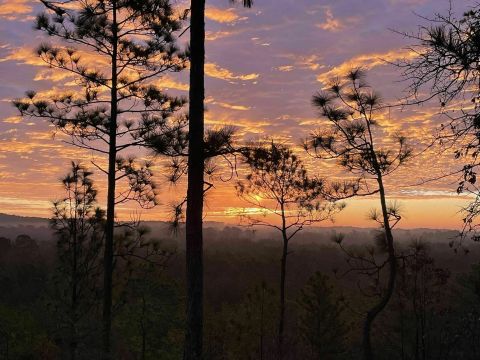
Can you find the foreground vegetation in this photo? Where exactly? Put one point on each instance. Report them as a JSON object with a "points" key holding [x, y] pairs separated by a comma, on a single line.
{"points": [[434, 313]]}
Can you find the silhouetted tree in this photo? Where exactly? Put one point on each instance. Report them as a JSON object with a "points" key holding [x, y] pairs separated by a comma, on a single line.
{"points": [[277, 183], [115, 50], [78, 224], [151, 315], [421, 288], [446, 65], [463, 335], [354, 139], [23, 337], [245, 330], [195, 187], [418, 303], [322, 320]]}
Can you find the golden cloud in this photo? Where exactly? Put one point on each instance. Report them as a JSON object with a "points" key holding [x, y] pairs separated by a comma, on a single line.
{"points": [[211, 100], [330, 23], [285, 68], [11, 10], [333, 24], [216, 35], [366, 61], [23, 55], [13, 120], [215, 71], [221, 15], [54, 75], [303, 62], [167, 82]]}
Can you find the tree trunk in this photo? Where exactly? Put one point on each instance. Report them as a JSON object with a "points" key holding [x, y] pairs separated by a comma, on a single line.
{"points": [[262, 321], [281, 320], [194, 235], [392, 266], [110, 221], [144, 332], [73, 339]]}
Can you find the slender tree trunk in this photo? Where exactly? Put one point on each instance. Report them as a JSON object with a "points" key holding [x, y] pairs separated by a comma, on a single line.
{"points": [[110, 222], [144, 333], [194, 236], [392, 266], [262, 321], [415, 311], [423, 297], [402, 335], [73, 339], [283, 272]]}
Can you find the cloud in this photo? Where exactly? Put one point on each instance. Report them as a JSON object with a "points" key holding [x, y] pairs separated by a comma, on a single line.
{"points": [[216, 35], [25, 203], [244, 125], [284, 68], [335, 24], [23, 55], [53, 75], [13, 120], [221, 15], [260, 42], [330, 23], [366, 61], [28, 56], [302, 62], [14, 10], [420, 193], [211, 100], [215, 71], [167, 82]]}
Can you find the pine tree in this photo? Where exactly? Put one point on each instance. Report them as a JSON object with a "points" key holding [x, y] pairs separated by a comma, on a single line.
{"points": [[445, 68], [196, 183], [278, 183], [322, 319], [78, 223], [115, 50], [354, 139]]}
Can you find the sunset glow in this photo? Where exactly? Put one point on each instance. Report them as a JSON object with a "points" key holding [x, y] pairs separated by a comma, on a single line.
{"points": [[261, 75]]}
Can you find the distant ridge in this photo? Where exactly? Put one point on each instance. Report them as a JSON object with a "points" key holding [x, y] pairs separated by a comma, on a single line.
{"points": [[15, 220], [8, 219]]}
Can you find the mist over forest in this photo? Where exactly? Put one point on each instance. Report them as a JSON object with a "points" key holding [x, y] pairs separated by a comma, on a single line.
{"points": [[39, 229], [241, 268]]}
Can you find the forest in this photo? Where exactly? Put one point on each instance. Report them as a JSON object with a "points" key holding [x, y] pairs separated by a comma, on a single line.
{"points": [[100, 277]]}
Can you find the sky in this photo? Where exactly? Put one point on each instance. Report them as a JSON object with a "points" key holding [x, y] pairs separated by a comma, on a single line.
{"points": [[263, 65]]}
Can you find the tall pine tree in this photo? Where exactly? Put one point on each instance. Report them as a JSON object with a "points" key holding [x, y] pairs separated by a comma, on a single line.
{"points": [[115, 50], [78, 224], [355, 139], [196, 183]]}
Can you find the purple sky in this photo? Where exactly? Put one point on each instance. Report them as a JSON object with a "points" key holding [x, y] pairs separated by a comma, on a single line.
{"points": [[263, 65]]}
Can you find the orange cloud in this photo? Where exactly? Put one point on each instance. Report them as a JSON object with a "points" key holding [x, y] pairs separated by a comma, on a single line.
{"points": [[303, 62], [330, 23], [285, 68], [366, 61], [221, 15], [211, 100], [12, 10], [216, 35], [215, 71], [13, 120], [23, 55], [167, 82]]}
